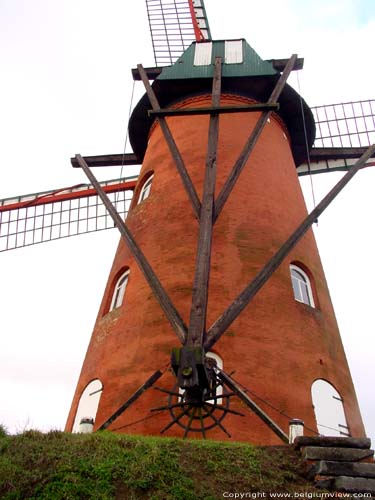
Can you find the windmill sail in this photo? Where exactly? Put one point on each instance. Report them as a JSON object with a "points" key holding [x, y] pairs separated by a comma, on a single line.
{"points": [[174, 25], [343, 132], [40, 217]]}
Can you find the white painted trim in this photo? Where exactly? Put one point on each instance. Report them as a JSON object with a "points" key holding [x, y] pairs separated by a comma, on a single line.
{"points": [[145, 190], [233, 51], [119, 290], [203, 54]]}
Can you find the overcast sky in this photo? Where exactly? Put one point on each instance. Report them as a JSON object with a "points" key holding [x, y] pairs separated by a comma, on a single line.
{"points": [[66, 89]]}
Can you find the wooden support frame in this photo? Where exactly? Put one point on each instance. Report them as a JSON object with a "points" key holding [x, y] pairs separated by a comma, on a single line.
{"points": [[189, 187], [237, 306], [198, 311], [160, 294], [252, 140]]}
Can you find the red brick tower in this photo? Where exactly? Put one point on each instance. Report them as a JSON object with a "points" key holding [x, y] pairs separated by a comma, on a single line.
{"points": [[286, 339]]}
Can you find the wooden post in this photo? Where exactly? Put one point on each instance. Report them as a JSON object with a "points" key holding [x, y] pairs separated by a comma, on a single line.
{"points": [[233, 311], [189, 187], [251, 142], [198, 311], [160, 294]]}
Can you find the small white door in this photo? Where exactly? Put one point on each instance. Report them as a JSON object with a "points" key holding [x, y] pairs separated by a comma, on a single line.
{"points": [[88, 403], [329, 409]]}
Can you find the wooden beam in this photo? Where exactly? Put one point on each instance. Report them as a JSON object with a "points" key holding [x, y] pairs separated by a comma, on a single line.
{"points": [[189, 187], [152, 73], [198, 311], [160, 294], [251, 142], [149, 382], [229, 382], [279, 64], [237, 306], [215, 110], [108, 160]]}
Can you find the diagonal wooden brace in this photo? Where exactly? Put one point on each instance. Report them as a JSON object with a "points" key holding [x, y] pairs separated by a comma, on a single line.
{"points": [[176, 155], [229, 382], [198, 311], [160, 294], [252, 140], [243, 299], [138, 393]]}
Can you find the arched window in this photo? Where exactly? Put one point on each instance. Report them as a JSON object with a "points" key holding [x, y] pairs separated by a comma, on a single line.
{"points": [[119, 290], [301, 285], [88, 403], [145, 191], [329, 409]]}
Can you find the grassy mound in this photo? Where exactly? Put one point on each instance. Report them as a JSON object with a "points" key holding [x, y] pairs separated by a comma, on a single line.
{"points": [[105, 466]]}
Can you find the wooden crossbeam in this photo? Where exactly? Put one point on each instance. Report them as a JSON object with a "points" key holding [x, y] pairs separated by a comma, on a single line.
{"points": [[160, 294], [198, 311], [215, 110], [243, 299], [108, 160], [189, 187], [252, 140]]}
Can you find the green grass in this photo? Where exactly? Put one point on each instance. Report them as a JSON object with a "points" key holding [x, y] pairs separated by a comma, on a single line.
{"points": [[106, 466]]}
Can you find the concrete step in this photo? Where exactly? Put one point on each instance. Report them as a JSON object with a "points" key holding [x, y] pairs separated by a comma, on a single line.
{"points": [[332, 441], [354, 469], [336, 454], [347, 484]]}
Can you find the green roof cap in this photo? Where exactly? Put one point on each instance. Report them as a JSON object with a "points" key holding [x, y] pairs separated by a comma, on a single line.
{"points": [[244, 73], [189, 66]]}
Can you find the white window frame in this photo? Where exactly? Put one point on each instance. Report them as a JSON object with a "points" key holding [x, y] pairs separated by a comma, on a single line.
{"points": [[119, 291], [306, 280], [146, 189]]}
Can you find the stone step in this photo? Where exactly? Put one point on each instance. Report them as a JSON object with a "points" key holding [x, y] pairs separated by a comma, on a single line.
{"points": [[354, 484], [332, 441], [336, 454], [347, 484], [354, 469]]}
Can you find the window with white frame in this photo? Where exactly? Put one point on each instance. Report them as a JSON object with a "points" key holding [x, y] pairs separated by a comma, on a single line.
{"points": [[119, 291], [301, 286], [145, 191]]}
